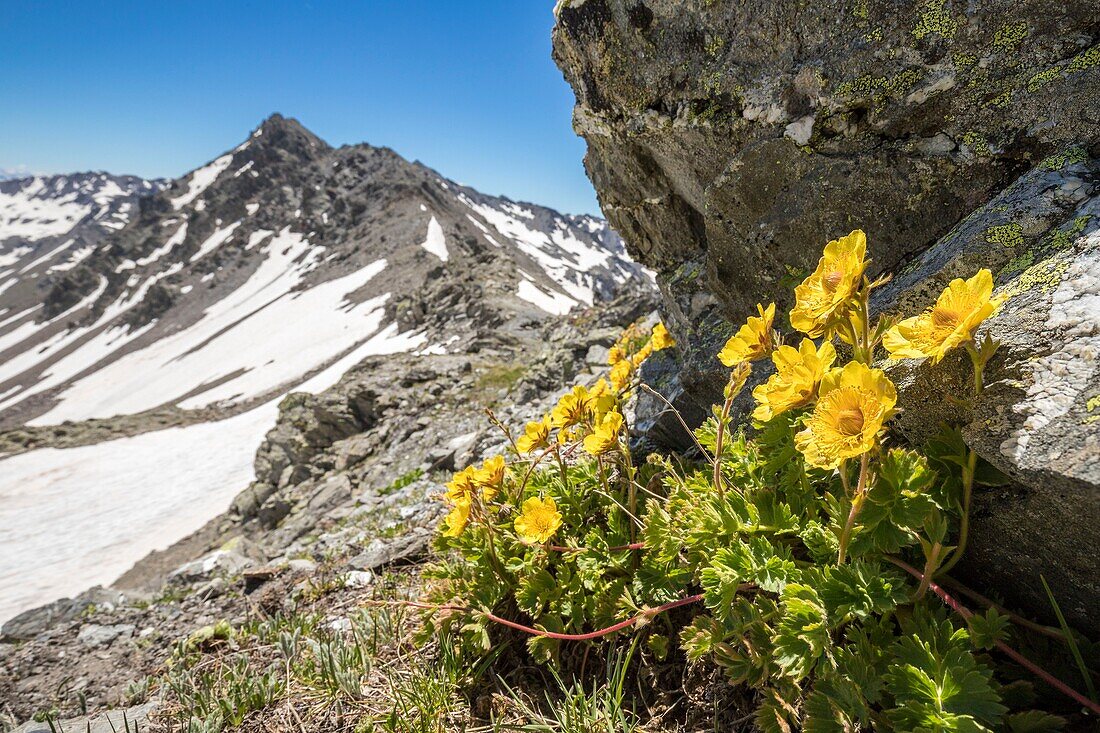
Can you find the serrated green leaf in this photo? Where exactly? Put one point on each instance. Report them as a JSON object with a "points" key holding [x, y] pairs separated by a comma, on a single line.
{"points": [[989, 628], [897, 504], [860, 589], [537, 590], [820, 542], [1034, 721], [937, 684], [836, 705], [802, 634]]}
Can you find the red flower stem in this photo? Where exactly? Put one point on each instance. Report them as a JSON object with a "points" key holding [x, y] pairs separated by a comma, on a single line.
{"points": [[1020, 659], [977, 597], [644, 615]]}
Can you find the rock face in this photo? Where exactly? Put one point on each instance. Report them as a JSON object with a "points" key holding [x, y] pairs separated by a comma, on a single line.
{"points": [[1039, 418], [729, 141]]}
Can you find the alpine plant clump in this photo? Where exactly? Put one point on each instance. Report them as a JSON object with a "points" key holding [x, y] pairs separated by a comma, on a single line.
{"points": [[811, 542]]}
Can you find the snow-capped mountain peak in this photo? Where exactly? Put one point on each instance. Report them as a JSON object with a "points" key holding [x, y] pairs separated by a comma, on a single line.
{"points": [[275, 266]]}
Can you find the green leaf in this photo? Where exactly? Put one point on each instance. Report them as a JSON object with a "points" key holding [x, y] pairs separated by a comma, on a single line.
{"points": [[779, 711], [860, 589], [543, 649], [897, 504], [658, 644], [802, 635], [662, 540], [989, 628], [835, 706], [1034, 721], [937, 683], [536, 590], [756, 561], [822, 544]]}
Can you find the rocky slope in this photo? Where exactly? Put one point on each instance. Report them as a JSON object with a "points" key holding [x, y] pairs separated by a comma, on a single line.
{"points": [[347, 486], [729, 141]]}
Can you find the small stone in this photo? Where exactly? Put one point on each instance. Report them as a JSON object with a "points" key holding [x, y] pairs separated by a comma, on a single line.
{"points": [[801, 130], [597, 355], [96, 635]]}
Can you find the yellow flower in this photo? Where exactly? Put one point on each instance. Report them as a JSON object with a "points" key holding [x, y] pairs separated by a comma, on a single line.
{"points": [[539, 520], [852, 405], [961, 307], [457, 519], [826, 293], [752, 341], [572, 408], [606, 435], [797, 374], [615, 355], [661, 338], [643, 354], [620, 374], [464, 484], [490, 477], [536, 435], [854, 317], [601, 399], [461, 486]]}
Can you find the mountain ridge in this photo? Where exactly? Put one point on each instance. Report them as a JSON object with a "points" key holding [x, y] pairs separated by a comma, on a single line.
{"points": [[331, 212]]}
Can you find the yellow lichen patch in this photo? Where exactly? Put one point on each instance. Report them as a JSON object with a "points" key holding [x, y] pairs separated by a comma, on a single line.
{"points": [[1085, 60], [1072, 156], [976, 142], [964, 60], [1006, 235], [1009, 36], [1046, 275], [935, 19], [1042, 78]]}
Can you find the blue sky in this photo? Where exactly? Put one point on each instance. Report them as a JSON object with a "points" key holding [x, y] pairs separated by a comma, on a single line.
{"points": [[158, 88]]}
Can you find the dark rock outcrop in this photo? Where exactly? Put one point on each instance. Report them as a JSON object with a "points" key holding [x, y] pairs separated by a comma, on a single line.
{"points": [[729, 141]]}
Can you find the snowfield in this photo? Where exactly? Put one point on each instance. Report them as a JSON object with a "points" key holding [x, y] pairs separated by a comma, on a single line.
{"points": [[78, 517]]}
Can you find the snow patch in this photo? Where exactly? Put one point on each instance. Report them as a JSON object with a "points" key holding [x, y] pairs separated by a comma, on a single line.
{"points": [[215, 240], [435, 242], [201, 180], [173, 241], [262, 336], [43, 488], [555, 303]]}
